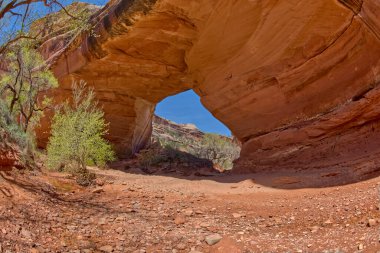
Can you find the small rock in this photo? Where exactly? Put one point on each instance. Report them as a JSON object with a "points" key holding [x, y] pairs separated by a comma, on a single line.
{"points": [[98, 190], [371, 222], [213, 239], [102, 221], [204, 225], [86, 244], [314, 229], [360, 246], [179, 219], [26, 233], [99, 182], [120, 218], [119, 230], [189, 212], [237, 215], [181, 246], [107, 248]]}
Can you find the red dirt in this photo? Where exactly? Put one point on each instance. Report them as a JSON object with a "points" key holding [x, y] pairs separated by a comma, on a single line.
{"points": [[137, 213]]}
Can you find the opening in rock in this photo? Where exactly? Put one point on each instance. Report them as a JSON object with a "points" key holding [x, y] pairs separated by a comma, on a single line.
{"points": [[185, 108], [187, 134]]}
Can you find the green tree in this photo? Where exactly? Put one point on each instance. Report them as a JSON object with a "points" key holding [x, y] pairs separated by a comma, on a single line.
{"points": [[78, 131], [24, 83]]}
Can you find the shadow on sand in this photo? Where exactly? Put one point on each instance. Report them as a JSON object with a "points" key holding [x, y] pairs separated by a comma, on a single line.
{"points": [[280, 179]]}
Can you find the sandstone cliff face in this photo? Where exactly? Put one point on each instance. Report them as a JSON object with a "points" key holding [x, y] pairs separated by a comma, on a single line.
{"points": [[295, 81]]}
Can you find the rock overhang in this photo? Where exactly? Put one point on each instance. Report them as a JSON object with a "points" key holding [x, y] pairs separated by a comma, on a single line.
{"points": [[289, 78]]}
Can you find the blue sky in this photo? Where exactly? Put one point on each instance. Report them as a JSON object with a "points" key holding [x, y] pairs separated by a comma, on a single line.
{"points": [[187, 108]]}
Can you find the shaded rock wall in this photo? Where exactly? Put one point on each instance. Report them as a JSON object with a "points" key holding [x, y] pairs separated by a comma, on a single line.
{"points": [[290, 78]]}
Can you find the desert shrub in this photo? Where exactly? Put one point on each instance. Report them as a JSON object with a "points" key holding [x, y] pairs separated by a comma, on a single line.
{"points": [[10, 129], [170, 155], [185, 158], [157, 154], [220, 150], [78, 131], [84, 177], [152, 156], [11, 134]]}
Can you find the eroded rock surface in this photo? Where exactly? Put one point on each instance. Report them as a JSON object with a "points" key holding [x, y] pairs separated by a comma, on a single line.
{"points": [[295, 81], [9, 157]]}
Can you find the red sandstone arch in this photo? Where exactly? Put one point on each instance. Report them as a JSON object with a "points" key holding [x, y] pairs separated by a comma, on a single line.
{"points": [[295, 81]]}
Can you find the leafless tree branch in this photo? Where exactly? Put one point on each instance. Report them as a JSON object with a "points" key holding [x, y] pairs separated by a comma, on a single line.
{"points": [[11, 8]]}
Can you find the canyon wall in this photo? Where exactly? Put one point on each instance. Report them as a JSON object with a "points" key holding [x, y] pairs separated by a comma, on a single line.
{"points": [[296, 81]]}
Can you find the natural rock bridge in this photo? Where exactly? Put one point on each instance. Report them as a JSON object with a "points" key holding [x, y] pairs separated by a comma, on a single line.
{"points": [[296, 81]]}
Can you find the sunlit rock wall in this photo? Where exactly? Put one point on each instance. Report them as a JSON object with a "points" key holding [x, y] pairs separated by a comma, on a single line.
{"points": [[295, 81]]}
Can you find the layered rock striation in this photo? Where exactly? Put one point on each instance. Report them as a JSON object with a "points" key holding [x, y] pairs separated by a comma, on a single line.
{"points": [[295, 81]]}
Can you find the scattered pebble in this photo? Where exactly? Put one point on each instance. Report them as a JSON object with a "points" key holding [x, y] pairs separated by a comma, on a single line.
{"points": [[213, 239]]}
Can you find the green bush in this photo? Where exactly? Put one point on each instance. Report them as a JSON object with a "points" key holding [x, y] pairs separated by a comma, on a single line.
{"points": [[220, 150], [151, 157], [11, 131], [78, 131], [169, 155]]}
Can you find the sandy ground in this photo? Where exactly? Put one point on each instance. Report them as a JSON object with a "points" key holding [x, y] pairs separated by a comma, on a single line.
{"points": [[135, 212]]}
